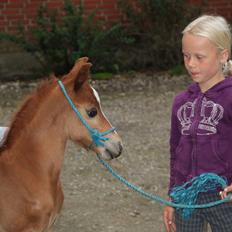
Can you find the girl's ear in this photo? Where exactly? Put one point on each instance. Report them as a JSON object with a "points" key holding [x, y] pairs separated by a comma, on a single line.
{"points": [[224, 56]]}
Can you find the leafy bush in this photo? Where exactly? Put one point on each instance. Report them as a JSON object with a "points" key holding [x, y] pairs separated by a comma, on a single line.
{"points": [[156, 26], [150, 37], [58, 41]]}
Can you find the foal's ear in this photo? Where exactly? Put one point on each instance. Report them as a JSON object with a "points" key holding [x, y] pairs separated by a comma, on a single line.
{"points": [[80, 72], [82, 75]]}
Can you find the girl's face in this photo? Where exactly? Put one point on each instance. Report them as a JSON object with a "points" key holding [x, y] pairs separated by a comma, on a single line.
{"points": [[203, 60]]}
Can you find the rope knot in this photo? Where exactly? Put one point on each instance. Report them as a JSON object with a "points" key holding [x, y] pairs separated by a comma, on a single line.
{"points": [[98, 137]]}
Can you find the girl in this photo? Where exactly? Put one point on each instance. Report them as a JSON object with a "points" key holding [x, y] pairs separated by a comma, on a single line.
{"points": [[201, 123]]}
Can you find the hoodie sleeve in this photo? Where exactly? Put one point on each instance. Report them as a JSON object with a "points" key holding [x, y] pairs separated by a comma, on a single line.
{"points": [[174, 141]]}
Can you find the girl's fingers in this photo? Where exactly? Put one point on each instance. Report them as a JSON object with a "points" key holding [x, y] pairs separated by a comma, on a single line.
{"points": [[170, 225], [167, 225], [173, 227], [168, 218], [224, 193]]}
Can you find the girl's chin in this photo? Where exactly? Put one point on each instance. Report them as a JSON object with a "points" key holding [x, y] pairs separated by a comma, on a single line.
{"points": [[195, 77]]}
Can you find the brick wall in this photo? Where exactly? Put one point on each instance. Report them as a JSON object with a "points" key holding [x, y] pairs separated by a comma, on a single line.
{"points": [[14, 11], [220, 7]]}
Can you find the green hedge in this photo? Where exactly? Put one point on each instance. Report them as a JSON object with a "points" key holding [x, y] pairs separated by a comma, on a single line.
{"points": [[57, 42], [156, 27], [149, 38]]}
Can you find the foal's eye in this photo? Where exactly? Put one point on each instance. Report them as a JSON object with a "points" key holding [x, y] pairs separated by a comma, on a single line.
{"points": [[92, 112]]}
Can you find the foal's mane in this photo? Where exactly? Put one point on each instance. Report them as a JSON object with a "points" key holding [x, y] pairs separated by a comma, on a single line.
{"points": [[27, 111]]}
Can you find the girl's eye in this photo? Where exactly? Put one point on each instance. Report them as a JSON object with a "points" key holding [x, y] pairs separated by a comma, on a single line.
{"points": [[92, 112], [186, 56]]}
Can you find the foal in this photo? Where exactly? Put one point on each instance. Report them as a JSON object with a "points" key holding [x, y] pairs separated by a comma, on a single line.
{"points": [[32, 153]]}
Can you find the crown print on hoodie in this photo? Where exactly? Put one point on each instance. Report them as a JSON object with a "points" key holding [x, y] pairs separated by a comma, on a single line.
{"points": [[210, 115]]}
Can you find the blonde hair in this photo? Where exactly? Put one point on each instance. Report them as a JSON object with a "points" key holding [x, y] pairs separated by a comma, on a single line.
{"points": [[217, 30]]}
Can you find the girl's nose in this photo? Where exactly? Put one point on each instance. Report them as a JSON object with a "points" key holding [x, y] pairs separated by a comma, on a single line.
{"points": [[191, 62]]}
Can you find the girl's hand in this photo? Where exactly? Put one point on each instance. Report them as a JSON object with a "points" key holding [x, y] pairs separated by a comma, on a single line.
{"points": [[226, 190], [168, 217]]}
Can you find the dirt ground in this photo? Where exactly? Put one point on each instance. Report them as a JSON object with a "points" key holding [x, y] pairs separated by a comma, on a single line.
{"points": [[139, 107]]}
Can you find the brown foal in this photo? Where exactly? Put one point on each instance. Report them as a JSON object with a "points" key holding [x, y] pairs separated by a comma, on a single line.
{"points": [[31, 156]]}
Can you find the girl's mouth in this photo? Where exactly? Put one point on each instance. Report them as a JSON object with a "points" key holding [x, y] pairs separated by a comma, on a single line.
{"points": [[194, 74]]}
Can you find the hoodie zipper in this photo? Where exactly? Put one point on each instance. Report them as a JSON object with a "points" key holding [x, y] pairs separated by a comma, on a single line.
{"points": [[193, 133]]}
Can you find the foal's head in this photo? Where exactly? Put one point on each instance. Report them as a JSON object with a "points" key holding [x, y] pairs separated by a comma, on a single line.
{"points": [[87, 101]]}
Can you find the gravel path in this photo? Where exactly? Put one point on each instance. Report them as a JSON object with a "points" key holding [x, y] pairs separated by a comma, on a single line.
{"points": [[139, 107]]}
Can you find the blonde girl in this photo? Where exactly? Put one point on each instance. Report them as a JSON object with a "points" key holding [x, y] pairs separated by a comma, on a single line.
{"points": [[201, 123]]}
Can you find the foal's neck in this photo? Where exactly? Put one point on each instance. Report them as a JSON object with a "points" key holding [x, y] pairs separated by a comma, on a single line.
{"points": [[41, 143]]}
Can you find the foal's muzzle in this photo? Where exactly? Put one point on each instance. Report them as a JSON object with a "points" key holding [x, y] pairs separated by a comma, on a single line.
{"points": [[112, 149]]}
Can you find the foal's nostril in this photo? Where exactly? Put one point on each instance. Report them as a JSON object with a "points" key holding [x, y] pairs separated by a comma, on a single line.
{"points": [[120, 148]]}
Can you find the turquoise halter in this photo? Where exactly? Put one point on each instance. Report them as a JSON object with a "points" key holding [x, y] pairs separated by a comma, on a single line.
{"points": [[98, 138]]}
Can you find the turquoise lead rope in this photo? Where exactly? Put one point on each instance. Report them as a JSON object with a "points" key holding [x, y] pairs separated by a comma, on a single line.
{"points": [[183, 197]]}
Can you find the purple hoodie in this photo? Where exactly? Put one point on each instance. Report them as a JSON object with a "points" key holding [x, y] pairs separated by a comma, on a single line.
{"points": [[201, 133]]}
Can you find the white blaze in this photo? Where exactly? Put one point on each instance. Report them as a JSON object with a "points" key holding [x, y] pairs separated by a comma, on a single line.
{"points": [[98, 99], [96, 94]]}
